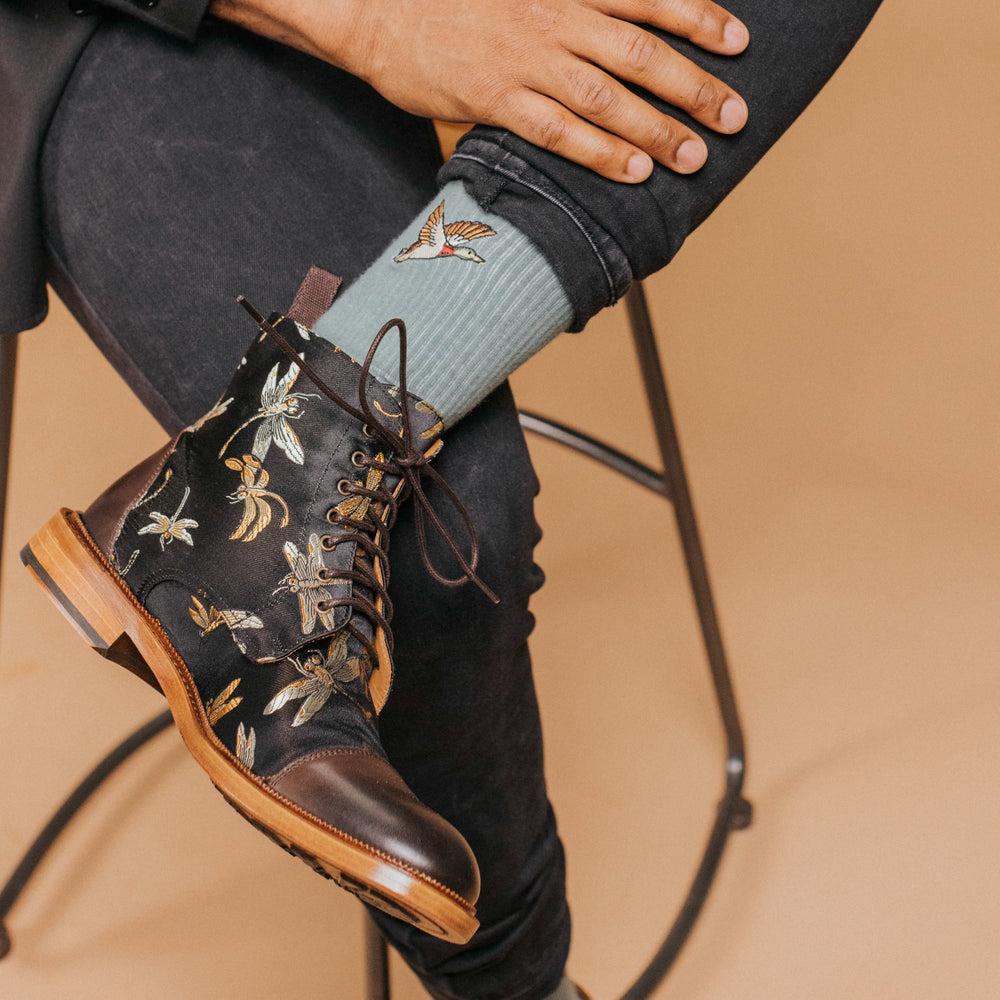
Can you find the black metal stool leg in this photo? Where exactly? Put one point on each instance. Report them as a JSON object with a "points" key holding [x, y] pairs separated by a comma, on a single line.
{"points": [[62, 816], [376, 962], [8, 369], [734, 811]]}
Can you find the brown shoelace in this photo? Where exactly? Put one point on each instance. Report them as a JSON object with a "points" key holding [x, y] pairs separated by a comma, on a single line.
{"points": [[407, 462]]}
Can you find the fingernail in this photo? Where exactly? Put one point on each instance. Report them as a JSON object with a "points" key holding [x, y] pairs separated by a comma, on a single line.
{"points": [[691, 154], [736, 35], [639, 167], [733, 114]]}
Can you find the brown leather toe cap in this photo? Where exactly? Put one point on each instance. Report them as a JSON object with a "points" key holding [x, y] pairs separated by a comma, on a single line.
{"points": [[363, 796]]}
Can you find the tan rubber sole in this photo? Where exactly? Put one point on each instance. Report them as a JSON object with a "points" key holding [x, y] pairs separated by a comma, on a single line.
{"points": [[92, 596]]}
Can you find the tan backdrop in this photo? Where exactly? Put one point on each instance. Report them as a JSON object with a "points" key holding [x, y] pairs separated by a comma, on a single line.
{"points": [[830, 337]]}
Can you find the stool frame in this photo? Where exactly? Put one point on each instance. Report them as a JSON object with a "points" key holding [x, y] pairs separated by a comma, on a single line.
{"points": [[734, 812]]}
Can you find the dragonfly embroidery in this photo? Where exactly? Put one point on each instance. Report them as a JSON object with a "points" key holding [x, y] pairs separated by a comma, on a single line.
{"points": [[309, 580], [169, 528], [321, 676], [246, 746], [253, 495], [278, 405], [357, 506], [216, 411], [222, 704], [208, 619]]}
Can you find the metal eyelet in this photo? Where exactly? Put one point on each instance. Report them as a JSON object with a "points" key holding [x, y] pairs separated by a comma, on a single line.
{"points": [[324, 574], [342, 487], [331, 515], [327, 543], [358, 459], [366, 429], [324, 607]]}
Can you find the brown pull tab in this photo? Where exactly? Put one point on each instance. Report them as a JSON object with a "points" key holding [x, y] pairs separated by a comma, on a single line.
{"points": [[314, 297]]}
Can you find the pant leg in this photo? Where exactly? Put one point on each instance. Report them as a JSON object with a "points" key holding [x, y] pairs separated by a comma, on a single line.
{"points": [[173, 179], [600, 235]]}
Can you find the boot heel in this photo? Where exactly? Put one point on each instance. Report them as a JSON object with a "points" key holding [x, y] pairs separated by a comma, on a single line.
{"points": [[80, 585]]}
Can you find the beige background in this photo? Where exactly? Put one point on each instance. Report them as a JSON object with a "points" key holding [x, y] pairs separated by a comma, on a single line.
{"points": [[830, 337]]}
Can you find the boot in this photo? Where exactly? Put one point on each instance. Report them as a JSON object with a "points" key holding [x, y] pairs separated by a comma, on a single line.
{"points": [[242, 572]]}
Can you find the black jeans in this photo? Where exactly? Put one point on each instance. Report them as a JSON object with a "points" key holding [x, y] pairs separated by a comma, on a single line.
{"points": [[176, 177]]}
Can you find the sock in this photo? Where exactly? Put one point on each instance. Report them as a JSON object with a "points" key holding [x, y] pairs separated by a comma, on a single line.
{"points": [[565, 991], [477, 296]]}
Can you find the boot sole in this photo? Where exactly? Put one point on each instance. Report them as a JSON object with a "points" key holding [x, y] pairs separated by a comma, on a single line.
{"points": [[80, 581]]}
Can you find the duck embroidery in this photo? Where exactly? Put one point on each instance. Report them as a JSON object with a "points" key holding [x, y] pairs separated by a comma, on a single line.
{"points": [[439, 240]]}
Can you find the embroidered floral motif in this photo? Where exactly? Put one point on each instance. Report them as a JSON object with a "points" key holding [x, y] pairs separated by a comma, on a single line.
{"points": [[253, 495], [246, 746], [439, 240], [357, 506], [309, 580], [278, 405], [321, 676], [169, 528], [217, 707]]}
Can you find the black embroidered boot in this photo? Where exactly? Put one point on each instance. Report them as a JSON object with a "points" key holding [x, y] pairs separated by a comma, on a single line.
{"points": [[242, 572]]}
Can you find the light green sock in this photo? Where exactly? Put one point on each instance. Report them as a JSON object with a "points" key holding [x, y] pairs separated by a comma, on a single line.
{"points": [[477, 296], [565, 991]]}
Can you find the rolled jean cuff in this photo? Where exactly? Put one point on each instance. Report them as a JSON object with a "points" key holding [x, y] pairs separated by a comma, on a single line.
{"points": [[591, 265]]}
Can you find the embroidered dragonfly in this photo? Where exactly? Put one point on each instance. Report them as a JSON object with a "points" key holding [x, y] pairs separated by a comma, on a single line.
{"points": [[278, 405], [169, 528], [321, 676], [253, 495], [222, 704], [211, 618], [309, 580], [357, 506], [422, 407], [216, 411], [246, 746]]}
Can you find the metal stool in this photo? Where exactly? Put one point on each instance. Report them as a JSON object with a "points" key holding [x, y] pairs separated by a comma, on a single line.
{"points": [[734, 811]]}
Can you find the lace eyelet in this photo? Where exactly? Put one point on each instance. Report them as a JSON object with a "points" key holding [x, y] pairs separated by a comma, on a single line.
{"points": [[358, 459], [366, 429], [342, 487], [331, 515], [324, 607], [327, 543]]}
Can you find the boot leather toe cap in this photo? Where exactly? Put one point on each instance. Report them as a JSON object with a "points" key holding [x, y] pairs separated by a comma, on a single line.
{"points": [[364, 797]]}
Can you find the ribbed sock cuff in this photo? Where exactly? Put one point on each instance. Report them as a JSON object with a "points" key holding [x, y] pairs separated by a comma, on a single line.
{"points": [[477, 296]]}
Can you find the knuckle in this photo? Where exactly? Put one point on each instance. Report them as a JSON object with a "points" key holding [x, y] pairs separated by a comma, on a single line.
{"points": [[639, 50], [664, 137], [703, 97], [550, 134], [594, 96]]}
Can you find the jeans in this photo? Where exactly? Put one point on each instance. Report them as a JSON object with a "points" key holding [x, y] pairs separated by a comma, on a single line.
{"points": [[599, 235], [175, 177]]}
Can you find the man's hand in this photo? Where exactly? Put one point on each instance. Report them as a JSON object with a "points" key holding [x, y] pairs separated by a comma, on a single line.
{"points": [[548, 70]]}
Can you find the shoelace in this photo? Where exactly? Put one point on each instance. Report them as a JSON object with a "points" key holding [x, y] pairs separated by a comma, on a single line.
{"points": [[408, 462]]}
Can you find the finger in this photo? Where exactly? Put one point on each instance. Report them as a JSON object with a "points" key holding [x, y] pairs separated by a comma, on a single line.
{"points": [[634, 54], [553, 126], [702, 22]]}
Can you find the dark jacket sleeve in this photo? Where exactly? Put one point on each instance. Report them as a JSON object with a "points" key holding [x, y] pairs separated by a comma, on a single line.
{"points": [[40, 42]]}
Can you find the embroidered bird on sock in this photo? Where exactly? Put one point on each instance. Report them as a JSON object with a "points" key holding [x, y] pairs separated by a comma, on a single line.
{"points": [[439, 240]]}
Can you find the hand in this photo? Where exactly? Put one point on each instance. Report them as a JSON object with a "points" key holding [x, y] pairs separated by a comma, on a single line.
{"points": [[548, 70]]}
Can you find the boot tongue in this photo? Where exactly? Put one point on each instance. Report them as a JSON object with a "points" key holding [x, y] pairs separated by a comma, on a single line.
{"points": [[306, 460]]}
